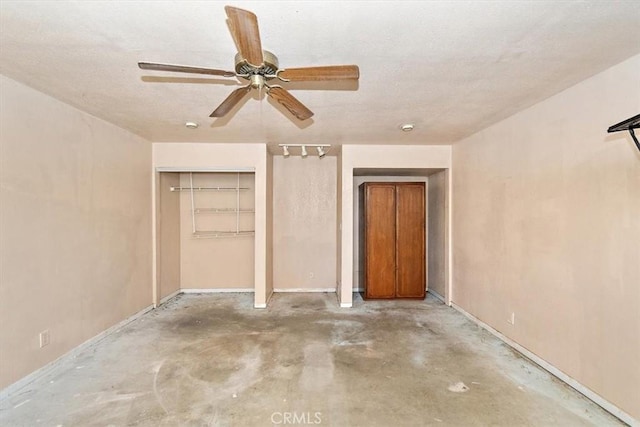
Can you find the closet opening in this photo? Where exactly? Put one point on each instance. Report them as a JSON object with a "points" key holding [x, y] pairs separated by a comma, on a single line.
{"points": [[205, 227], [435, 182]]}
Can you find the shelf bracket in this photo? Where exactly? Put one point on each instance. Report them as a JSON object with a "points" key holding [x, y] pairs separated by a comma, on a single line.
{"points": [[630, 125]]}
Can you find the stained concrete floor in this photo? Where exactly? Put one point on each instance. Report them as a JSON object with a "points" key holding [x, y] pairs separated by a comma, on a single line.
{"points": [[213, 360]]}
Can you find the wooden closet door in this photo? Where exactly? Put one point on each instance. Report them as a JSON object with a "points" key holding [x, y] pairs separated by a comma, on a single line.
{"points": [[410, 240], [379, 244]]}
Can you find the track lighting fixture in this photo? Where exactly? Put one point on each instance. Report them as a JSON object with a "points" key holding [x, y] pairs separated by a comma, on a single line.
{"points": [[322, 149]]}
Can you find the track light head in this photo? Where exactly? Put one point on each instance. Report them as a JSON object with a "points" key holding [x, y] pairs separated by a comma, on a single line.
{"points": [[323, 149]]}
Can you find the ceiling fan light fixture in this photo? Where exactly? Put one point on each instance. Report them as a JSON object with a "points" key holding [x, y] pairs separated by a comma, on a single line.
{"points": [[257, 81], [304, 151]]}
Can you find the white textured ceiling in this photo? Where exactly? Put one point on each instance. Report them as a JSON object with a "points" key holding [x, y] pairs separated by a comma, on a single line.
{"points": [[450, 67]]}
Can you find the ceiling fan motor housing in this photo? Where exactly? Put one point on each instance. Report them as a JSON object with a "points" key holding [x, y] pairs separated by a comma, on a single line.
{"points": [[268, 69]]}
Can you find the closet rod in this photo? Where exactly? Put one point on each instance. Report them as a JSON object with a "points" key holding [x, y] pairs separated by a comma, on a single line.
{"points": [[208, 188], [214, 234], [223, 210]]}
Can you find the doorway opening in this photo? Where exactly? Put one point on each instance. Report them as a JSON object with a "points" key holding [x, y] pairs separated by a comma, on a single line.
{"points": [[205, 228], [436, 222]]}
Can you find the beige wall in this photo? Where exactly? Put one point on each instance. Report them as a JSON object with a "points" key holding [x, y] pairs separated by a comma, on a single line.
{"points": [[437, 229], [376, 157], [168, 234], [338, 229], [304, 250], [220, 262], [547, 226], [269, 222], [75, 228], [208, 157]]}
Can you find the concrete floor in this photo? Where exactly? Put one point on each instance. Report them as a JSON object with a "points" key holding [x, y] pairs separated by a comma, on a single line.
{"points": [[213, 360]]}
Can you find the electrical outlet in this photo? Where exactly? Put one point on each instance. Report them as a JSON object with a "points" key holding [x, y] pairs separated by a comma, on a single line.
{"points": [[44, 338]]}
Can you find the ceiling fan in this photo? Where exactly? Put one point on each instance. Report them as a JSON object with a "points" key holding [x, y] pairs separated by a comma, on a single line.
{"points": [[259, 67]]}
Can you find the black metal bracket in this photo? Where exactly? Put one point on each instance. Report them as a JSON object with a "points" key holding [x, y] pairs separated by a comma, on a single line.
{"points": [[630, 125]]}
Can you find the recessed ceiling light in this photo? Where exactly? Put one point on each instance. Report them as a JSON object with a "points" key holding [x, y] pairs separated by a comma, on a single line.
{"points": [[408, 127], [191, 125]]}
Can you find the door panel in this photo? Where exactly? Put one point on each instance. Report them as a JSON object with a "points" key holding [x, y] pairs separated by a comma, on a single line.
{"points": [[410, 243], [380, 274]]}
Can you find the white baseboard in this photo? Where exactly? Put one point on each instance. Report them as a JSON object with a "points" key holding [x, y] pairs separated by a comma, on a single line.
{"points": [[582, 389], [41, 372], [331, 290], [437, 295], [264, 305], [170, 296], [343, 304], [215, 290]]}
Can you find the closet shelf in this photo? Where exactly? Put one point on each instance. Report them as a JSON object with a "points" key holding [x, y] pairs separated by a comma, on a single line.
{"points": [[223, 210], [208, 188], [212, 234], [236, 210]]}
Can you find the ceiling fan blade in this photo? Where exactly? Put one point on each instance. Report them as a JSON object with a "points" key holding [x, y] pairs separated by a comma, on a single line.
{"points": [[184, 69], [231, 101], [288, 101], [245, 32], [331, 72]]}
